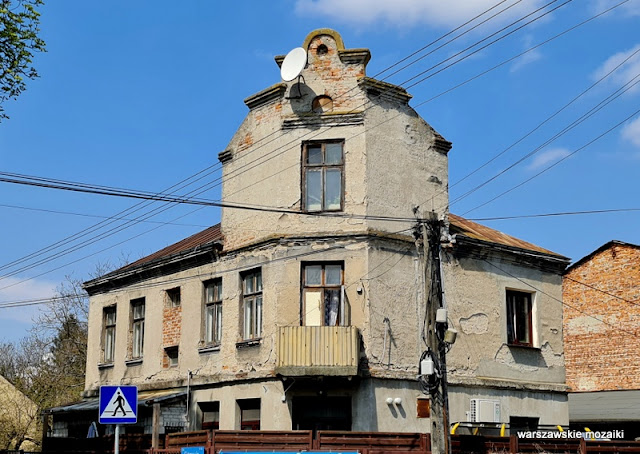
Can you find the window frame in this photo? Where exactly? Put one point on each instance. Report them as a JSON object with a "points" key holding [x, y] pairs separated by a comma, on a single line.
{"points": [[109, 331], [514, 298], [174, 297], [256, 300], [212, 334], [323, 167], [172, 353], [137, 328], [341, 319]]}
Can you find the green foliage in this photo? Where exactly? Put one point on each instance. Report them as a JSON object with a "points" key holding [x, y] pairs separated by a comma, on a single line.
{"points": [[19, 40]]}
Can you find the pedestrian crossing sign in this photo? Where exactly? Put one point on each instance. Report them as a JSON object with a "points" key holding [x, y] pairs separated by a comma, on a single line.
{"points": [[118, 405]]}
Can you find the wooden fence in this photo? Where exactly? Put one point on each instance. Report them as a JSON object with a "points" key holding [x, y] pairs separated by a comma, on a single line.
{"points": [[363, 442]]}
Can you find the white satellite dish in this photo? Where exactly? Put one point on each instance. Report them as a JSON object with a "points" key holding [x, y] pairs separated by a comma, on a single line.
{"points": [[293, 64]]}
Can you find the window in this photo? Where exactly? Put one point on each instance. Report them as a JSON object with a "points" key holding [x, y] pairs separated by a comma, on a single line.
{"points": [[213, 312], [252, 305], [173, 297], [519, 318], [323, 294], [249, 414], [210, 415], [171, 356], [109, 339], [323, 166], [137, 327]]}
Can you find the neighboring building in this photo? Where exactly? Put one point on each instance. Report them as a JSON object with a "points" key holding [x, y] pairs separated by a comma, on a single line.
{"points": [[19, 419], [602, 344], [310, 316]]}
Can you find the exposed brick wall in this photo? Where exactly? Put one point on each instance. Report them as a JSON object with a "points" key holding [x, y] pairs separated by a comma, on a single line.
{"points": [[171, 323], [603, 356]]}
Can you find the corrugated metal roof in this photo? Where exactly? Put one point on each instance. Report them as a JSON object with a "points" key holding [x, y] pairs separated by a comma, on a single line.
{"points": [[465, 227], [144, 398], [206, 236]]}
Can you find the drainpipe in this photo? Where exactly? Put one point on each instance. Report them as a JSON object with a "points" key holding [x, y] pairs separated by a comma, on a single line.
{"points": [[188, 396]]}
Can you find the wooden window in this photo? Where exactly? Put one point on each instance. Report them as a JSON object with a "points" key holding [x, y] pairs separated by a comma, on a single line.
{"points": [[323, 176], [173, 297], [519, 318], [109, 333], [137, 328], [323, 294], [252, 305], [213, 312]]}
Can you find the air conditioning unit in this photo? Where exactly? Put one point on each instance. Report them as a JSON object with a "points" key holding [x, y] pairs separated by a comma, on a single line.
{"points": [[484, 410]]}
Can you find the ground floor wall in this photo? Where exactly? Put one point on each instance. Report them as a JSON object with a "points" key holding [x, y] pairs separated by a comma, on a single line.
{"points": [[320, 403], [548, 407]]}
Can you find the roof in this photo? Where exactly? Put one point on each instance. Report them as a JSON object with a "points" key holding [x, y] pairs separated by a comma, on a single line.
{"points": [[601, 406], [208, 235], [604, 247], [144, 398], [461, 226]]}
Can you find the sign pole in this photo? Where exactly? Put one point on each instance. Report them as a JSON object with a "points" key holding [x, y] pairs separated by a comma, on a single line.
{"points": [[116, 446]]}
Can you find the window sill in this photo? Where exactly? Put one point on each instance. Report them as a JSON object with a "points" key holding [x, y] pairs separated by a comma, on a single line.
{"points": [[133, 362], [249, 343], [524, 347], [105, 366], [209, 349]]}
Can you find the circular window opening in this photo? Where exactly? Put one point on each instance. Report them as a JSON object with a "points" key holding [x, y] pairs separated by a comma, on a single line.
{"points": [[322, 50], [322, 104]]}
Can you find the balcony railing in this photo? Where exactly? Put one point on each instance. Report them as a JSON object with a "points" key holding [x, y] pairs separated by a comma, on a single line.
{"points": [[317, 350]]}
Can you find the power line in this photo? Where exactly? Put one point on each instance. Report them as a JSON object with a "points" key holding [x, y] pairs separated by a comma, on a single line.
{"points": [[559, 300], [563, 213], [584, 117], [238, 173], [94, 228], [555, 163]]}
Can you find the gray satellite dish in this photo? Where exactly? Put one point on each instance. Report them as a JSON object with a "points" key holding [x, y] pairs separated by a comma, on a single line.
{"points": [[293, 64]]}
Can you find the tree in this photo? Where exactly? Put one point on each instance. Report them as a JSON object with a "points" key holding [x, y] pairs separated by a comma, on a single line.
{"points": [[19, 40]]}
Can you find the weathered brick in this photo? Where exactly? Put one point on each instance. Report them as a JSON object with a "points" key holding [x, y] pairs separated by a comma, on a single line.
{"points": [[601, 330]]}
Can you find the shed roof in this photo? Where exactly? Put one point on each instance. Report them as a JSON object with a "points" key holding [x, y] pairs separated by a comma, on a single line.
{"points": [[461, 226]]}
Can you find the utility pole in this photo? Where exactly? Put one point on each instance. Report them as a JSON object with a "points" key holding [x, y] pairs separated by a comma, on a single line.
{"points": [[434, 378]]}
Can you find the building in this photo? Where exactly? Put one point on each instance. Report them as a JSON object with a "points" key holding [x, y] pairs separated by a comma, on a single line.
{"points": [[307, 311], [19, 419], [602, 294]]}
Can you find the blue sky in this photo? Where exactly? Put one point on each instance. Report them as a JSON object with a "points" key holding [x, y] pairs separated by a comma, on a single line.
{"points": [[144, 94]]}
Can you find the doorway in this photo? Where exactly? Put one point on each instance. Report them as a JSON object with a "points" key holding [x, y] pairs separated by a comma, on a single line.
{"points": [[321, 413]]}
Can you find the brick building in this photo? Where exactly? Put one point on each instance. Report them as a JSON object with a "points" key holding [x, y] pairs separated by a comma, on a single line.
{"points": [[602, 338]]}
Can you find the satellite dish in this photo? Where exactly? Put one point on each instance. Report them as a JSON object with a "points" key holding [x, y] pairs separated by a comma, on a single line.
{"points": [[293, 64]]}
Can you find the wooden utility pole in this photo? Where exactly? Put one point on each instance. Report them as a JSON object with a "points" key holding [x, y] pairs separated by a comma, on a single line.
{"points": [[433, 334]]}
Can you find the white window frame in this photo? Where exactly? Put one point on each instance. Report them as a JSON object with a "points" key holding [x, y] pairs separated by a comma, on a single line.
{"points": [[109, 334], [137, 327], [513, 309]]}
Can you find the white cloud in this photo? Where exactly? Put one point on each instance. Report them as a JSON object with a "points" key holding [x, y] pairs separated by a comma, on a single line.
{"points": [[548, 157], [408, 13], [529, 57], [29, 290], [631, 132], [623, 74]]}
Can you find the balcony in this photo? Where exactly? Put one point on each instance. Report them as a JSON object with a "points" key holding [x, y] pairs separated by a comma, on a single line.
{"points": [[317, 350]]}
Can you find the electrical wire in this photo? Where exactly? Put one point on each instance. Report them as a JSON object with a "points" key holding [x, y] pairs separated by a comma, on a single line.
{"points": [[563, 213], [513, 188]]}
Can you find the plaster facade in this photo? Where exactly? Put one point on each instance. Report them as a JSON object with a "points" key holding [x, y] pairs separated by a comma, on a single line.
{"points": [[392, 161]]}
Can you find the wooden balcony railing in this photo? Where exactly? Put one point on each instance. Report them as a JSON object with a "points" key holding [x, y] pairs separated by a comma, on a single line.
{"points": [[317, 350]]}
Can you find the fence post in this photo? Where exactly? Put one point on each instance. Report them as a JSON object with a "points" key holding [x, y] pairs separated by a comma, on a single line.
{"points": [[583, 446], [513, 444]]}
